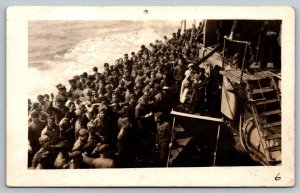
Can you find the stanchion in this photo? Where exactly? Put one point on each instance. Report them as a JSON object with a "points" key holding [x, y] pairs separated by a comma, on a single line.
{"points": [[216, 148], [170, 146]]}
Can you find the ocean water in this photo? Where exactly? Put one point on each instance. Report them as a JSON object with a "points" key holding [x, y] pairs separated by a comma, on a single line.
{"points": [[58, 50]]}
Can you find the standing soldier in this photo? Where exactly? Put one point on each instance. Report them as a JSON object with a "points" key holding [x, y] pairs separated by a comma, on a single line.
{"points": [[163, 137], [199, 92], [59, 110], [45, 104], [35, 128], [270, 44], [62, 93], [144, 117], [51, 130], [66, 140], [72, 86], [104, 126], [48, 140], [125, 140]]}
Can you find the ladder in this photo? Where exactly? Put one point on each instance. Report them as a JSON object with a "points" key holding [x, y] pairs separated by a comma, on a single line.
{"points": [[265, 105]]}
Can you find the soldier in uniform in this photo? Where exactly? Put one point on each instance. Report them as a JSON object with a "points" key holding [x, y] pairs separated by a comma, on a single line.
{"points": [[163, 137], [104, 161], [66, 140], [45, 104], [104, 126], [93, 139], [79, 89], [125, 140], [76, 161], [81, 141], [45, 157], [144, 117], [62, 93], [35, 128], [270, 44], [37, 107], [51, 130], [59, 110], [72, 85], [199, 92]]}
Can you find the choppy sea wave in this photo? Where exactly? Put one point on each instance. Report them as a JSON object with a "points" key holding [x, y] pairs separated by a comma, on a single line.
{"points": [[58, 50]]}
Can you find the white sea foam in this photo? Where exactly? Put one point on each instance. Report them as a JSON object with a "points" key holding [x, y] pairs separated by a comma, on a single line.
{"points": [[105, 45]]}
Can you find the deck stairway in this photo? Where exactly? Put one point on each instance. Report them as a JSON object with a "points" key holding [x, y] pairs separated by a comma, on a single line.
{"points": [[262, 98], [181, 139], [265, 104]]}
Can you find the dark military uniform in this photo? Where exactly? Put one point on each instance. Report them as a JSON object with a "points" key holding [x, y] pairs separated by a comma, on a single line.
{"points": [[270, 48], [34, 132], [146, 126], [163, 138]]}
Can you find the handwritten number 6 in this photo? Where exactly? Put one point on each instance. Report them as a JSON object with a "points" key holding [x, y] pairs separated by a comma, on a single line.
{"points": [[277, 177]]}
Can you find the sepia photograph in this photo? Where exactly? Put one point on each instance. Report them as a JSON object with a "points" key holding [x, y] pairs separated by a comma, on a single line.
{"points": [[146, 93]]}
